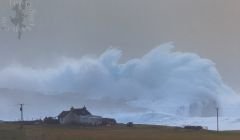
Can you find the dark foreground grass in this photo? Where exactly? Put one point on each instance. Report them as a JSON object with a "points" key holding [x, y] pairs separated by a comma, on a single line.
{"points": [[140, 132]]}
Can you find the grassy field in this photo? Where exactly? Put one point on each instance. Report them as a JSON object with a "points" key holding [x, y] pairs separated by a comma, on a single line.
{"points": [[55, 132]]}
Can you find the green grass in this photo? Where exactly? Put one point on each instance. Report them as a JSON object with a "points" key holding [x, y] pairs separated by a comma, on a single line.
{"points": [[139, 132]]}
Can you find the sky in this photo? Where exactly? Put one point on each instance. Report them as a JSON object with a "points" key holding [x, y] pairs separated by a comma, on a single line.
{"points": [[74, 32]]}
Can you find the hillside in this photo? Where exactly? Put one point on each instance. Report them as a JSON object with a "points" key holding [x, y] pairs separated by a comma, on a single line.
{"points": [[139, 132]]}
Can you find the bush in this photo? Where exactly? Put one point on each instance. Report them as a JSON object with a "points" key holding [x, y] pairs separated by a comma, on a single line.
{"points": [[130, 124], [193, 127], [50, 120]]}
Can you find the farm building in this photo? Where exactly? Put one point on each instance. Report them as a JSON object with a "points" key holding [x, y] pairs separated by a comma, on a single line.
{"points": [[84, 117]]}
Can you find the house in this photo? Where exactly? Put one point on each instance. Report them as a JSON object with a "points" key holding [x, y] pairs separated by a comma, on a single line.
{"points": [[73, 115], [84, 117]]}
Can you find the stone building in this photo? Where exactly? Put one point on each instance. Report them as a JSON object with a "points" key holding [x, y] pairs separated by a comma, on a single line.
{"points": [[84, 117]]}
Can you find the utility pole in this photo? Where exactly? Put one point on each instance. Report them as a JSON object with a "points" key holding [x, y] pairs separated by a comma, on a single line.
{"points": [[21, 110], [217, 119]]}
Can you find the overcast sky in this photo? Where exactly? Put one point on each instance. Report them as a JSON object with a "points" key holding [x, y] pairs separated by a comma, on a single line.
{"points": [[75, 28]]}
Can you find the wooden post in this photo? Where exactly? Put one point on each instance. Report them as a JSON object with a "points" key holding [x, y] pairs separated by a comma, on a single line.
{"points": [[217, 119], [21, 109]]}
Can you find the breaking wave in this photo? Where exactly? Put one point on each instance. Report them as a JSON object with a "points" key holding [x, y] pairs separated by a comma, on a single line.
{"points": [[162, 81]]}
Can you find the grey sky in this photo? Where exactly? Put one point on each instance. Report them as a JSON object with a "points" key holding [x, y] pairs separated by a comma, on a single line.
{"points": [[73, 28]]}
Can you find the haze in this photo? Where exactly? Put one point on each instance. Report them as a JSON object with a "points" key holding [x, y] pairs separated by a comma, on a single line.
{"points": [[69, 30]]}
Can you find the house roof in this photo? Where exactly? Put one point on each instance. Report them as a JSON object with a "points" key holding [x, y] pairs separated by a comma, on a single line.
{"points": [[78, 111]]}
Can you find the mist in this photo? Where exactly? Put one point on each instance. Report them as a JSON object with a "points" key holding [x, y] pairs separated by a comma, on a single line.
{"points": [[162, 81]]}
